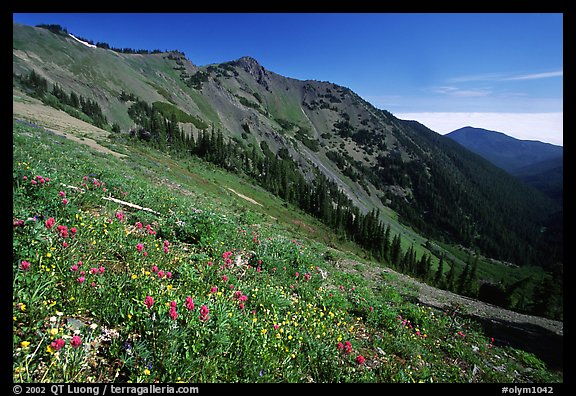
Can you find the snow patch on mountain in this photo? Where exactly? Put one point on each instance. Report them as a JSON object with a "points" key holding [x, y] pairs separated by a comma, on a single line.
{"points": [[83, 42]]}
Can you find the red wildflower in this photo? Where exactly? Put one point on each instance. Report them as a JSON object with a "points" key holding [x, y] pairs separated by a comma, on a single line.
{"points": [[360, 359], [189, 303], [76, 341], [62, 231], [149, 301], [204, 313], [138, 225], [24, 265], [50, 222], [58, 344]]}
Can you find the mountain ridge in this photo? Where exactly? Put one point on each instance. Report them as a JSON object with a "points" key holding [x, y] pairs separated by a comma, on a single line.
{"points": [[380, 162]]}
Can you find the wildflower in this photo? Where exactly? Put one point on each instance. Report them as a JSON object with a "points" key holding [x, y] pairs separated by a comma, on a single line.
{"points": [[25, 344], [241, 306], [224, 278], [58, 344], [168, 274], [75, 342], [139, 247], [62, 231], [347, 348], [214, 289], [64, 201], [165, 249], [81, 279], [189, 303], [173, 313], [149, 301], [204, 313], [24, 265], [74, 268], [138, 225], [360, 359], [120, 216], [50, 222], [154, 269], [461, 334], [160, 274], [101, 270], [146, 372], [93, 284]]}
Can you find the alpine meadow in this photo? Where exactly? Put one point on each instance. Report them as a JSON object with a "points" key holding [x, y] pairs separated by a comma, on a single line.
{"points": [[224, 223]]}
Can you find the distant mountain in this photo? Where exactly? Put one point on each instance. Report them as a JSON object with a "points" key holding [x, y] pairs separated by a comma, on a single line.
{"points": [[504, 151], [536, 163]]}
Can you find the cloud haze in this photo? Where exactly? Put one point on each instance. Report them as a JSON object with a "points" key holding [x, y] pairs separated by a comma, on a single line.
{"points": [[545, 127]]}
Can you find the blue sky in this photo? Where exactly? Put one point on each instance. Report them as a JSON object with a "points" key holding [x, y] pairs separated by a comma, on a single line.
{"points": [[499, 71]]}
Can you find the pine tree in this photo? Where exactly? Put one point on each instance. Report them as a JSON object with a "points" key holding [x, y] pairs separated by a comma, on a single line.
{"points": [[451, 277], [438, 279], [396, 251]]}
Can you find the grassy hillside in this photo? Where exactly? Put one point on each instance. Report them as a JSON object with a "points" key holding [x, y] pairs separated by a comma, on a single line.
{"points": [[198, 283]]}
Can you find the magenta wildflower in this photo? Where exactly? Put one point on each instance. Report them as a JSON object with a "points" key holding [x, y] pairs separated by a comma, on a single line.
{"points": [[76, 341], [62, 231], [360, 359], [154, 269], [50, 222], [138, 225], [149, 301], [204, 313], [81, 279], [189, 303], [24, 265], [139, 247], [58, 344], [64, 201], [120, 216]]}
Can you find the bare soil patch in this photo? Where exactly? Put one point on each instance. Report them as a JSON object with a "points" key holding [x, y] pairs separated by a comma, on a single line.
{"points": [[61, 123]]}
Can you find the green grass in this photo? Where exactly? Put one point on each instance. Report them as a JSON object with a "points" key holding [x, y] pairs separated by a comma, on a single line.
{"points": [[277, 306]]}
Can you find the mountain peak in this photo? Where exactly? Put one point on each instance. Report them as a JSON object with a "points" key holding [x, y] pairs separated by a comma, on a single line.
{"points": [[248, 61]]}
